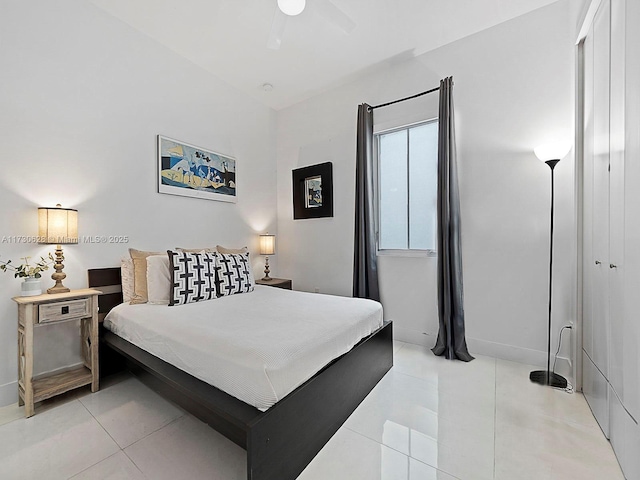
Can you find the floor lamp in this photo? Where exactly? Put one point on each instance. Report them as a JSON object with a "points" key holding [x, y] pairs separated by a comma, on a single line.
{"points": [[550, 154]]}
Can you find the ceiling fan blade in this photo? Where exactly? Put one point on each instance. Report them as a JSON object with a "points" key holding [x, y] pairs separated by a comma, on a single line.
{"points": [[332, 13], [277, 30]]}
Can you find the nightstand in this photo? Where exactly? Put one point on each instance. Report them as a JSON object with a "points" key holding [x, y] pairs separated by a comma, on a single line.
{"points": [[276, 282], [39, 312]]}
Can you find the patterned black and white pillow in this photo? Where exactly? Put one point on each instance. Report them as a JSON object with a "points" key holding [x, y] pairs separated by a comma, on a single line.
{"points": [[193, 277], [233, 273]]}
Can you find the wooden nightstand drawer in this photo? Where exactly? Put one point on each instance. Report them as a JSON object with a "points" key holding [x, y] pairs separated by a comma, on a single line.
{"points": [[68, 310]]}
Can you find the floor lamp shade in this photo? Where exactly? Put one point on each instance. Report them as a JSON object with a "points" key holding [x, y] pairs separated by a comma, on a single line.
{"points": [[58, 226], [291, 7], [552, 151]]}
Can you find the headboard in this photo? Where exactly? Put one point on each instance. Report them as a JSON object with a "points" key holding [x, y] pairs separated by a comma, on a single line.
{"points": [[109, 282]]}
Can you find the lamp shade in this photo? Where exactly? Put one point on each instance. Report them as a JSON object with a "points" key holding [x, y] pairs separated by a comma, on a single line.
{"points": [[267, 244], [57, 225], [291, 7], [552, 151]]}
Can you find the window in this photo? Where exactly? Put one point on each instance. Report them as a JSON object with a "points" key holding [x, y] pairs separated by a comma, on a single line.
{"points": [[407, 187]]}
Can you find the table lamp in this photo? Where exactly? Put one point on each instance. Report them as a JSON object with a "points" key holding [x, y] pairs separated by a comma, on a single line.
{"points": [[57, 226], [267, 247]]}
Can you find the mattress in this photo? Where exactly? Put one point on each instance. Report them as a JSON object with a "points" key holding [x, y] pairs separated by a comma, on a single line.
{"points": [[257, 346]]}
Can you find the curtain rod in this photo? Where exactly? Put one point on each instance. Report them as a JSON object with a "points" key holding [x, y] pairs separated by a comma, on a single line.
{"points": [[406, 98]]}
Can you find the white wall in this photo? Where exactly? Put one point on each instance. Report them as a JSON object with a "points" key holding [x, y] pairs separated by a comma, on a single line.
{"points": [[513, 90], [82, 99]]}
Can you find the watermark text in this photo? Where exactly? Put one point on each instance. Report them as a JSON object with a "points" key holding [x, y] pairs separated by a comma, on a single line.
{"points": [[35, 239]]}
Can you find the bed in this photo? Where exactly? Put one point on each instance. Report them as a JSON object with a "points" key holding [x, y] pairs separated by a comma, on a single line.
{"points": [[282, 426]]}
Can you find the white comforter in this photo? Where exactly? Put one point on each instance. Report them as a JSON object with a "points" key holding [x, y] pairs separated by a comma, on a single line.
{"points": [[256, 346]]}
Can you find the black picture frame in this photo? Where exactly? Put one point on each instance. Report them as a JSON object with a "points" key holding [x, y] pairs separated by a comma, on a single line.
{"points": [[313, 191]]}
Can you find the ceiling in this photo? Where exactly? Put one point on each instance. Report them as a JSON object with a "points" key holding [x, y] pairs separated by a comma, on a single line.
{"points": [[229, 37]]}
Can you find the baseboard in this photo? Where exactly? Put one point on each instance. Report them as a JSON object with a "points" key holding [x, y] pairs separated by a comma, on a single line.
{"points": [[411, 336], [513, 353], [8, 393], [508, 352], [491, 349]]}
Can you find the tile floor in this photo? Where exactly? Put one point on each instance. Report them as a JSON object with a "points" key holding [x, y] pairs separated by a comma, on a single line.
{"points": [[428, 419]]}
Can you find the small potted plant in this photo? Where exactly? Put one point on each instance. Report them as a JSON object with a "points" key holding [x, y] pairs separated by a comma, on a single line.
{"points": [[30, 272]]}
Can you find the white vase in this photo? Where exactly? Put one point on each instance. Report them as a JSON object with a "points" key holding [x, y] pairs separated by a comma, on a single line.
{"points": [[31, 286]]}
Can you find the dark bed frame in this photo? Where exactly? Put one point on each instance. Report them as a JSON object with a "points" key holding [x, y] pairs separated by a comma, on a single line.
{"points": [[280, 442]]}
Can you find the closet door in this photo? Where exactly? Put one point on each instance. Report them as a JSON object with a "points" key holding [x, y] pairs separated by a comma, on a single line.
{"points": [[630, 354], [616, 198], [631, 341], [588, 266], [596, 333], [600, 194]]}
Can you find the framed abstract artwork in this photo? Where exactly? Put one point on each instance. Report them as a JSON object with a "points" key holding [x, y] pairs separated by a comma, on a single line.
{"points": [[313, 191], [191, 171]]}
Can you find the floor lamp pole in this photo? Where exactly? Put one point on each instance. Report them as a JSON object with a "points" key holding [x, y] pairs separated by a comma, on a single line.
{"points": [[547, 377]]}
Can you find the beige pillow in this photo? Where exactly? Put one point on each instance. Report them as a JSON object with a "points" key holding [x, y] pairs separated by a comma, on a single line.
{"points": [[222, 249], [139, 257], [196, 250], [126, 269]]}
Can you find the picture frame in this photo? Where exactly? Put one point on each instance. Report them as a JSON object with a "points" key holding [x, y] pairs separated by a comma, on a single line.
{"points": [[313, 191], [190, 171]]}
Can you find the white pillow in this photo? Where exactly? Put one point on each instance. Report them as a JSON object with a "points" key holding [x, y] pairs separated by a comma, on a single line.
{"points": [[126, 269], [158, 279]]}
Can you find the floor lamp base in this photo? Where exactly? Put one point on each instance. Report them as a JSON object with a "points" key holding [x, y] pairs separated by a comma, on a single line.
{"points": [[544, 377]]}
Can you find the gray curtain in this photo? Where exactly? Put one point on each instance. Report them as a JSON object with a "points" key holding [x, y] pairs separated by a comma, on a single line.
{"points": [[451, 340], [365, 261]]}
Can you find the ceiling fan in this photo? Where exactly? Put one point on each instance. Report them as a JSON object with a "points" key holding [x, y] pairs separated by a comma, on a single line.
{"points": [[291, 8]]}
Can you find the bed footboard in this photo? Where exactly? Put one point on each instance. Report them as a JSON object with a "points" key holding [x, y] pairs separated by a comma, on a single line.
{"points": [[288, 436], [282, 441]]}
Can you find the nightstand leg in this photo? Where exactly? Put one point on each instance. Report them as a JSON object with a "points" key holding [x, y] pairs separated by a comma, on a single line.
{"points": [[29, 408], [21, 362], [95, 374], [26, 365]]}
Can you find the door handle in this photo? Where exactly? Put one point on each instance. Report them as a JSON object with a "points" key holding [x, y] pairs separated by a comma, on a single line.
{"points": [[598, 262], [611, 265]]}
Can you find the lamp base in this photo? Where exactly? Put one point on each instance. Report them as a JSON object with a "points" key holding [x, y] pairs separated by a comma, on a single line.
{"points": [[266, 277], [58, 275], [544, 377], [58, 289]]}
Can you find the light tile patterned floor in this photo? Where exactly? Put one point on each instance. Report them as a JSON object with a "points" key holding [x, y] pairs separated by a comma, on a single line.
{"points": [[427, 419]]}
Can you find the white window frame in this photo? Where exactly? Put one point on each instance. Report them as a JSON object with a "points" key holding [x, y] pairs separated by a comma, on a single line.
{"points": [[404, 252]]}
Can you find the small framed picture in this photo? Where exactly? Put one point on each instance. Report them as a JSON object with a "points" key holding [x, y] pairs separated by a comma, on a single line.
{"points": [[313, 191]]}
